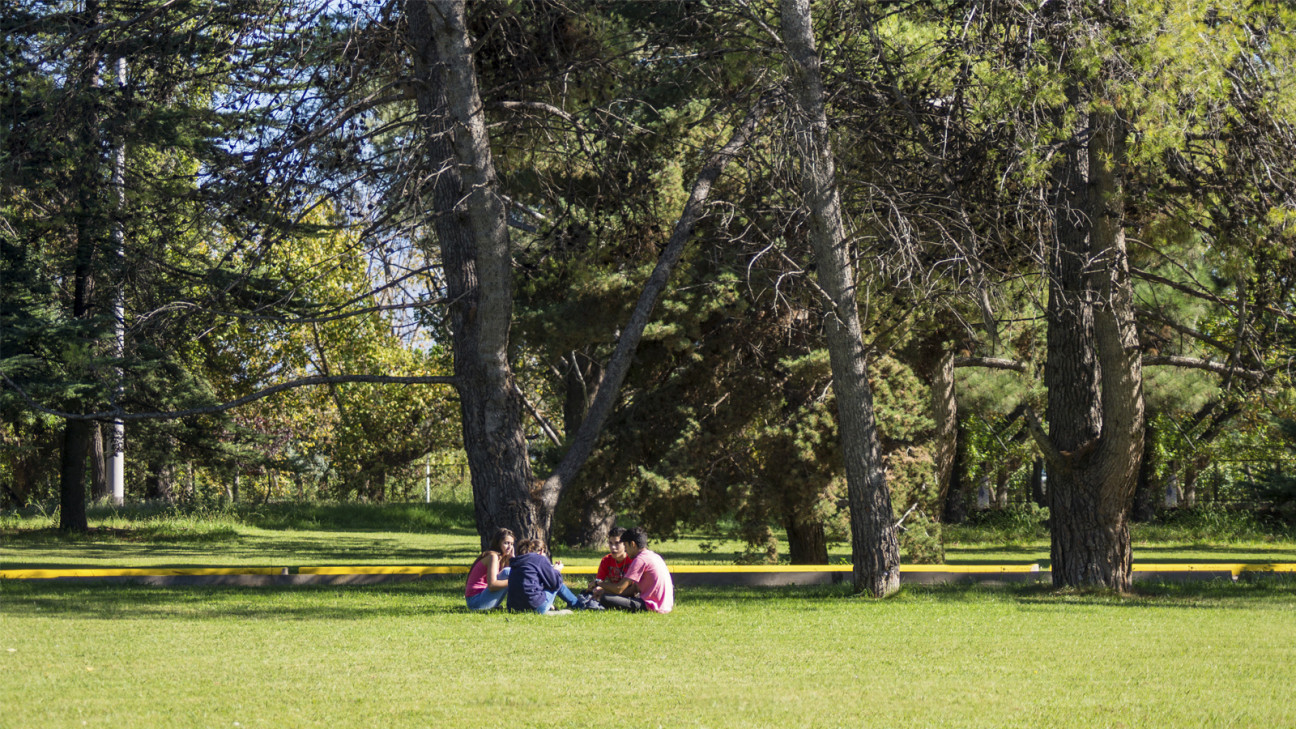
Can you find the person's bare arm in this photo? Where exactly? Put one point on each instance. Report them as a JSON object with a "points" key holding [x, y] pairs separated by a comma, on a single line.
{"points": [[624, 587], [493, 582]]}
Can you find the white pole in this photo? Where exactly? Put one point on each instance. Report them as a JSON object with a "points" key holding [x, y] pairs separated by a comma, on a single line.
{"points": [[427, 479], [117, 460]]}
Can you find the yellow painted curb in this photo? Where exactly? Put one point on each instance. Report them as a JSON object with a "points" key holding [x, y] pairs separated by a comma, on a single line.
{"points": [[1278, 567], [379, 570], [142, 572], [1234, 568]]}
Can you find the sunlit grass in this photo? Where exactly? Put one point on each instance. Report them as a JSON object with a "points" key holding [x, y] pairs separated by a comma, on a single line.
{"points": [[408, 655]]}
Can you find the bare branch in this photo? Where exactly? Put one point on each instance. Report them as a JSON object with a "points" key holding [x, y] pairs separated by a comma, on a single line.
{"points": [[1206, 364], [994, 363]]}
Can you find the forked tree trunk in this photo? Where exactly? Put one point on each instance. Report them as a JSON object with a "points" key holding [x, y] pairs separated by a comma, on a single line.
{"points": [[875, 549], [475, 256], [1094, 370], [473, 235]]}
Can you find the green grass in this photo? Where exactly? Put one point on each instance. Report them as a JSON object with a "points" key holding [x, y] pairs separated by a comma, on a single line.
{"points": [[407, 655], [289, 535]]}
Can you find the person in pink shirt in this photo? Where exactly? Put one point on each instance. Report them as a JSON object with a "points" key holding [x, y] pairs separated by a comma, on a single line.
{"points": [[488, 577], [646, 583]]}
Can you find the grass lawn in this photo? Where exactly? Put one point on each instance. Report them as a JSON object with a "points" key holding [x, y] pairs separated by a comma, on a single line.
{"points": [[286, 535], [1204, 654]]}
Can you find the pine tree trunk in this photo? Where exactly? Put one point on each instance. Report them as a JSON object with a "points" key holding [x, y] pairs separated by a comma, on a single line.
{"points": [[1145, 491], [476, 259], [875, 549], [72, 486], [159, 483], [945, 416], [585, 510], [586, 516], [1094, 371], [807, 541], [955, 511], [1037, 483], [99, 488], [76, 434]]}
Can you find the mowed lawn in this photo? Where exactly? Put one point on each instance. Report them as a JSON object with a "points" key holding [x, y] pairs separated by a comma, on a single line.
{"points": [[442, 534], [407, 655]]}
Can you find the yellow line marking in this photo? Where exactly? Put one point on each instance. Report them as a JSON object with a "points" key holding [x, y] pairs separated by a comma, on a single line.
{"points": [[1278, 567], [384, 570], [1235, 568], [143, 572], [1217, 567]]}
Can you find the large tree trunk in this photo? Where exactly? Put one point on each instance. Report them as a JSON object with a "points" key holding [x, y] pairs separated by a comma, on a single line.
{"points": [[72, 486], [1094, 370], [875, 549], [807, 541], [475, 255], [76, 434], [473, 233]]}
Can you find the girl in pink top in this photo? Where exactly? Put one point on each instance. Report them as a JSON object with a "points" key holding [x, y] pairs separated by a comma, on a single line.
{"points": [[488, 577]]}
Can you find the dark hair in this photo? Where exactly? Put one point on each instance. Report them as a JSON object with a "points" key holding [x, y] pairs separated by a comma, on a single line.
{"points": [[527, 546], [616, 532], [636, 536], [496, 543]]}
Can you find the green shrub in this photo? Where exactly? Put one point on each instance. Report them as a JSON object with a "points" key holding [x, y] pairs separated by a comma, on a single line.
{"points": [[920, 540], [1213, 523], [1014, 524]]}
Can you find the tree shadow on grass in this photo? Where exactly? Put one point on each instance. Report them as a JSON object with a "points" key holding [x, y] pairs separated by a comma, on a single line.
{"points": [[251, 550], [1218, 553], [100, 601]]}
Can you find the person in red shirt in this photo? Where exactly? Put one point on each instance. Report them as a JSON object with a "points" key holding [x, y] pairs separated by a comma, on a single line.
{"points": [[612, 567], [647, 583]]}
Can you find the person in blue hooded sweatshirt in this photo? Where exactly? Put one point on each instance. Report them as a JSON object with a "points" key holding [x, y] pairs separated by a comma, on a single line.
{"points": [[534, 582]]}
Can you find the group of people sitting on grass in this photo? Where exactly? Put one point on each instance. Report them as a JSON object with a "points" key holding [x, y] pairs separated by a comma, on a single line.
{"points": [[521, 576]]}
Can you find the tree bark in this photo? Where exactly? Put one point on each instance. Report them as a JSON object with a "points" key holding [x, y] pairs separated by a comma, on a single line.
{"points": [[475, 255], [807, 542], [1145, 495], [945, 416], [72, 487], [1094, 373], [875, 549], [76, 436], [1037, 493], [474, 242], [955, 511], [159, 484], [99, 488]]}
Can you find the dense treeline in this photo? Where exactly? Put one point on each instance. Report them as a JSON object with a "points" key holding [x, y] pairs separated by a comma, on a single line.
{"points": [[842, 272]]}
